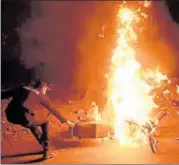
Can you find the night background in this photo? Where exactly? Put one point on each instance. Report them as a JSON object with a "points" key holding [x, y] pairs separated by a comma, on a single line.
{"points": [[59, 41], [35, 33]]}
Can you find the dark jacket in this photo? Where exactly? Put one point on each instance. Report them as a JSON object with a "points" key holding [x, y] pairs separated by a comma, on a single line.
{"points": [[27, 108]]}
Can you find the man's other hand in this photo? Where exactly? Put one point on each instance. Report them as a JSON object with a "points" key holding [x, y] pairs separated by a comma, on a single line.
{"points": [[70, 123]]}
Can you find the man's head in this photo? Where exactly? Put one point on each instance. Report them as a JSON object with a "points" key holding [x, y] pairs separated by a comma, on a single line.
{"points": [[42, 86], [37, 84]]}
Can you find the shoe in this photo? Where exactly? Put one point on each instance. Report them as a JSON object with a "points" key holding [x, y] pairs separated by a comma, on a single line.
{"points": [[46, 155]]}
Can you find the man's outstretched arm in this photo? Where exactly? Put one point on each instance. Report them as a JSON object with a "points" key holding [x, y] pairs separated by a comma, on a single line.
{"points": [[56, 113]]}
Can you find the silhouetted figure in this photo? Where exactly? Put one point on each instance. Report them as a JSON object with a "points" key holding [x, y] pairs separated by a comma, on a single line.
{"points": [[30, 108]]}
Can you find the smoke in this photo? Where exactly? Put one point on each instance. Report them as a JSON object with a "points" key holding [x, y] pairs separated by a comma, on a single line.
{"points": [[51, 37], [159, 43], [64, 36], [170, 32], [94, 51]]}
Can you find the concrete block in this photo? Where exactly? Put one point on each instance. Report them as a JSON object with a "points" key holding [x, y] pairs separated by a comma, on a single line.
{"points": [[92, 129]]}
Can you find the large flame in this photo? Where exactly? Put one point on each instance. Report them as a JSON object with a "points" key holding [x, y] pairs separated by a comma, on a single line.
{"points": [[129, 90]]}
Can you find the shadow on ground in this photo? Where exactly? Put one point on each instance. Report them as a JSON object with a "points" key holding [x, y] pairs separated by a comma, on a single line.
{"points": [[23, 155]]}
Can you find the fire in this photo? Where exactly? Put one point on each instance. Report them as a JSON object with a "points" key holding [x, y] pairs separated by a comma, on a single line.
{"points": [[126, 15], [129, 90]]}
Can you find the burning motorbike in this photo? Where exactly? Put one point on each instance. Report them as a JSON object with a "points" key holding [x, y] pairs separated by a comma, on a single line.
{"points": [[149, 129]]}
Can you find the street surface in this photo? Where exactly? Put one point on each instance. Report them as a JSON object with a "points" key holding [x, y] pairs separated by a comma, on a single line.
{"points": [[94, 151]]}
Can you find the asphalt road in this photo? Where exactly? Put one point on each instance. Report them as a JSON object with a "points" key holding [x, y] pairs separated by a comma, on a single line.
{"points": [[94, 151]]}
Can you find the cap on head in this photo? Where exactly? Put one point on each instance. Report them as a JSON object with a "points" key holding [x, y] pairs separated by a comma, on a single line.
{"points": [[37, 83]]}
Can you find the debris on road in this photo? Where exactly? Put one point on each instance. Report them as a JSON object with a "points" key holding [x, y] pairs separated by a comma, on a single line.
{"points": [[92, 129], [91, 114]]}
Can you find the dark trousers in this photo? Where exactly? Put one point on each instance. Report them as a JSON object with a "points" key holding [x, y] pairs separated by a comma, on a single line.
{"points": [[15, 114], [41, 133]]}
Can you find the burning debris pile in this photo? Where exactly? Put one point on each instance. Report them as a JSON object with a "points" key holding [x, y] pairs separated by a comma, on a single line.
{"points": [[89, 115], [128, 91], [91, 125], [134, 92]]}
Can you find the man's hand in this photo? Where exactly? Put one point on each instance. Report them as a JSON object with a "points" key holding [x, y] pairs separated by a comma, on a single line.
{"points": [[175, 103], [70, 123]]}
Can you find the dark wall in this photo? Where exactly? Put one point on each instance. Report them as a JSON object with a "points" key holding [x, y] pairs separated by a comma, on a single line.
{"points": [[173, 7], [14, 13]]}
